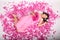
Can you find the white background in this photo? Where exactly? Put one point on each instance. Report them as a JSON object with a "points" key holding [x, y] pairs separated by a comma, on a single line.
{"points": [[55, 5]]}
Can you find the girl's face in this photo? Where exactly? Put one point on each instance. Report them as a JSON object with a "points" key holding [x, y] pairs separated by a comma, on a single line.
{"points": [[44, 16]]}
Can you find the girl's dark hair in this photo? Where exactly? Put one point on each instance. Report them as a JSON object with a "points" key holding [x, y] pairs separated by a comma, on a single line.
{"points": [[45, 19]]}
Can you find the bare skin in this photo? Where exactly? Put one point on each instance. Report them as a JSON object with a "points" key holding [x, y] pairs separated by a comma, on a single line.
{"points": [[40, 23], [15, 18]]}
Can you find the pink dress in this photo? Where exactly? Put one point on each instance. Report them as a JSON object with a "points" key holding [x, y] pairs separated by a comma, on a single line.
{"points": [[24, 22]]}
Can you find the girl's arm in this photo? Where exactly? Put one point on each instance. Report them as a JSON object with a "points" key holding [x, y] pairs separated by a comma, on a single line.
{"points": [[41, 24]]}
